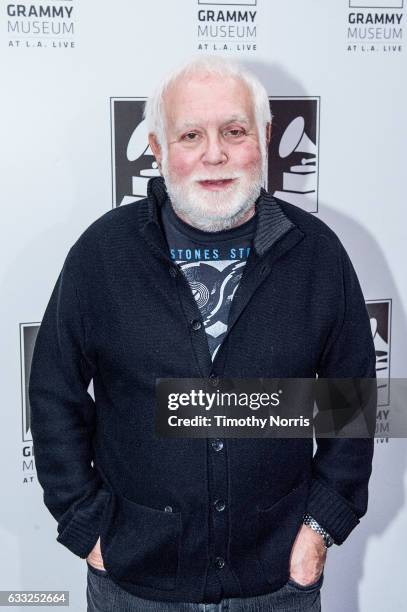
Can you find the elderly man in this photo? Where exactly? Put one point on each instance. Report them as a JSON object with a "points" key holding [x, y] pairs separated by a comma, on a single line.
{"points": [[209, 276]]}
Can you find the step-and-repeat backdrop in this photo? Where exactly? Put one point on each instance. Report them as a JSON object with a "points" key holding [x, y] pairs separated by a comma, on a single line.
{"points": [[74, 78]]}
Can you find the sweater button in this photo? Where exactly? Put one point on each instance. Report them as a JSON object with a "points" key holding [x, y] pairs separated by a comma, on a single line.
{"points": [[214, 380], [196, 325], [219, 562], [219, 505], [217, 444], [168, 509]]}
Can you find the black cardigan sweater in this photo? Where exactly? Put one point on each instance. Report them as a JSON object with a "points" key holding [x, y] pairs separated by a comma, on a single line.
{"points": [[121, 313]]}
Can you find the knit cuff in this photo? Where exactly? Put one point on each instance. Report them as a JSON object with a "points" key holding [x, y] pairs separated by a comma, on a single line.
{"points": [[331, 511], [81, 533]]}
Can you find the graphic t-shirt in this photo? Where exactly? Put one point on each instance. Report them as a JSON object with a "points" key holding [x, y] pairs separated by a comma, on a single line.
{"points": [[213, 264]]}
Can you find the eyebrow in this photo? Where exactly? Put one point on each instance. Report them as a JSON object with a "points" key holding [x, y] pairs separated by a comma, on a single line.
{"points": [[190, 124]]}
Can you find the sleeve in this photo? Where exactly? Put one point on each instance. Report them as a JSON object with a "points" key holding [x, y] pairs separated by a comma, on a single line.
{"points": [[63, 420], [341, 467]]}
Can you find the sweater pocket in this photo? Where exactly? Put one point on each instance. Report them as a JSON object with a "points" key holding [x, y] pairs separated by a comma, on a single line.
{"points": [[140, 544], [276, 529]]}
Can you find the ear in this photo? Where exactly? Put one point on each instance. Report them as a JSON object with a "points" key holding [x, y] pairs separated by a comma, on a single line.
{"points": [[155, 147], [268, 133]]}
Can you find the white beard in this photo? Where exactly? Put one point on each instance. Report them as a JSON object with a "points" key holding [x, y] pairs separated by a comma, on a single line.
{"points": [[213, 211]]}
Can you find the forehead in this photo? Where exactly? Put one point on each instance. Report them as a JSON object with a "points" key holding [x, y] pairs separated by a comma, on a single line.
{"points": [[207, 100]]}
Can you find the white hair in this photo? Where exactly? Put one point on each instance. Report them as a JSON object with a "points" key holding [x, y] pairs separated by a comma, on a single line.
{"points": [[208, 65]]}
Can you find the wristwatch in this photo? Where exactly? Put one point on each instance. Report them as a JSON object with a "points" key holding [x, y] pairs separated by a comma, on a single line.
{"points": [[311, 522]]}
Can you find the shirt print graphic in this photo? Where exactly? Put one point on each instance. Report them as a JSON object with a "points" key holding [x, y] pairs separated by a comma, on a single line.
{"points": [[213, 264], [213, 285]]}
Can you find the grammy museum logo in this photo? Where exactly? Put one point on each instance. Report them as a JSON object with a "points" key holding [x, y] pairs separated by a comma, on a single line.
{"points": [[380, 323], [28, 335], [375, 26], [40, 25], [227, 26]]}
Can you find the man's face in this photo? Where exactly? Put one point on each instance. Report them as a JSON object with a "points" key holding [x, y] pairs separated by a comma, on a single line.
{"points": [[212, 164]]}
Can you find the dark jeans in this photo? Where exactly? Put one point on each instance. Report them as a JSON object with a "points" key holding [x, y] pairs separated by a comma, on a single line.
{"points": [[104, 595]]}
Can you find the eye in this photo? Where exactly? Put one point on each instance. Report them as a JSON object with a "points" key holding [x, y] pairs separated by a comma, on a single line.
{"points": [[236, 132], [190, 136]]}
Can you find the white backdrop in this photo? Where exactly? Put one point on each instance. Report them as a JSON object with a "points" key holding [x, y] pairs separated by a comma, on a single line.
{"points": [[65, 79]]}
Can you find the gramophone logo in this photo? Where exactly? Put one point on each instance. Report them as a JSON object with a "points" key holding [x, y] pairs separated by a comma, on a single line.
{"points": [[133, 162], [294, 151], [28, 334], [380, 322], [228, 3], [396, 4]]}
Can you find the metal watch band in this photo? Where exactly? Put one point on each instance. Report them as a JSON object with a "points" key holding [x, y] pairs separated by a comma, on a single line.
{"points": [[311, 522]]}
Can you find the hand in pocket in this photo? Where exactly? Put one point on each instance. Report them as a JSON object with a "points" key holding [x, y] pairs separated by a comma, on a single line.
{"points": [[308, 556], [95, 557]]}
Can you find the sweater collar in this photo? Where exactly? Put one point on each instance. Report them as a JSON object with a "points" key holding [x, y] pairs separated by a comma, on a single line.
{"points": [[272, 222]]}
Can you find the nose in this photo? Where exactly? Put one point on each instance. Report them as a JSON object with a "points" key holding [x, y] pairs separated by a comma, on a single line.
{"points": [[215, 152]]}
